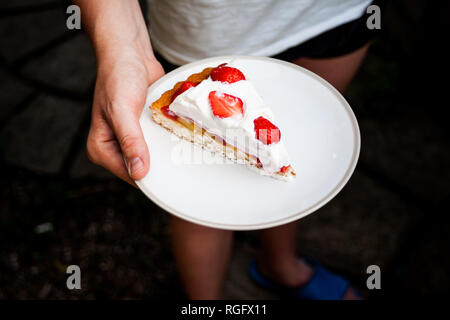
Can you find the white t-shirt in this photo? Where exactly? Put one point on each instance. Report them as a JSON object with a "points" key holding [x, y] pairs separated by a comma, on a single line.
{"points": [[183, 31]]}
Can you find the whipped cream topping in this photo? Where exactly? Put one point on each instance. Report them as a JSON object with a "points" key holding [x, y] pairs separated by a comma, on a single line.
{"points": [[237, 130]]}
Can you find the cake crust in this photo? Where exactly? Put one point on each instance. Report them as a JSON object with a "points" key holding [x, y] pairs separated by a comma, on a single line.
{"points": [[166, 97]]}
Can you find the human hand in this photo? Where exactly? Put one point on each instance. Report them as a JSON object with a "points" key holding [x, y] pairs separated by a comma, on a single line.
{"points": [[115, 138]]}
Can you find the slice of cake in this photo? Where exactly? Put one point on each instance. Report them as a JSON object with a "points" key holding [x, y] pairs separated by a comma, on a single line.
{"points": [[221, 111]]}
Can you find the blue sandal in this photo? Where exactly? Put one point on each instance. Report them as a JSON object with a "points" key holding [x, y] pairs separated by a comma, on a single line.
{"points": [[323, 285]]}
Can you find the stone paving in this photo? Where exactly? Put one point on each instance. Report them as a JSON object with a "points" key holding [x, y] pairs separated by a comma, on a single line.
{"points": [[392, 213]]}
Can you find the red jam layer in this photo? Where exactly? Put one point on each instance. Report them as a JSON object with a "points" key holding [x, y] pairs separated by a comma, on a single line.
{"points": [[169, 113]]}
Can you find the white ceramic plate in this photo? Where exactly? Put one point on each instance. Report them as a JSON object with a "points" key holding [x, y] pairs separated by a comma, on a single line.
{"points": [[319, 130]]}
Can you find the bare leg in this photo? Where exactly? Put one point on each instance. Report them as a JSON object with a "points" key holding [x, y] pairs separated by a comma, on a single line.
{"points": [[338, 71], [202, 255], [277, 258]]}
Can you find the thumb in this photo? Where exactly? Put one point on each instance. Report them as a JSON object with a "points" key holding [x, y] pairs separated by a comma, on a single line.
{"points": [[131, 141]]}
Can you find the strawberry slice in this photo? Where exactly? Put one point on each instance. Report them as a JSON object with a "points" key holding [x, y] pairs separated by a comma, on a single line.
{"points": [[224, 105], [226, 74], [266, 131], [259, 163], [284, 169], [185, 86]]}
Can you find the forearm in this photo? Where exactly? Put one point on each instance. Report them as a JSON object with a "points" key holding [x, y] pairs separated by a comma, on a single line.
{"points": [[114, 25]]}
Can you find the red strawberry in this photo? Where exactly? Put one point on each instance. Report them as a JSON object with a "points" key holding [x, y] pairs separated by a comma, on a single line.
{"points": [[258, 163], [186, 85], [284, 169], [226, 74], [266, 131], [224, 105], [169, 113]]}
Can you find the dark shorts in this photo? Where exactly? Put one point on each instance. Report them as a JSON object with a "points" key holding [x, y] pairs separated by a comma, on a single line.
{"points": [[336, 42]]}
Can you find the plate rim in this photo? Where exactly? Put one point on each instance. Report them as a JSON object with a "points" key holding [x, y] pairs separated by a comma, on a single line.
{"points": [[281, 221]]}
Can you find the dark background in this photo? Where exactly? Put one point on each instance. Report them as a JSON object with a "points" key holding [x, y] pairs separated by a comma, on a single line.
{"points": [[57, 209]]}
